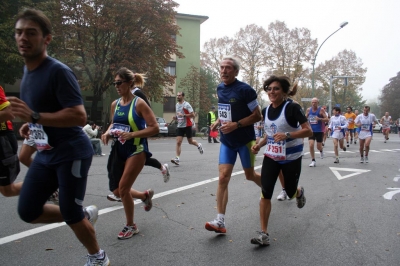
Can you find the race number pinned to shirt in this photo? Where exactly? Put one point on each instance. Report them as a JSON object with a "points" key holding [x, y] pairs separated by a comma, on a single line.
{"points": [[275, 150], [117, 129], [224, 112], [365, 127], [40, 137], [313, 119]]}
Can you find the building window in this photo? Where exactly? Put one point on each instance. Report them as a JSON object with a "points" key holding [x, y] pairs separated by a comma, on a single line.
{"points": [[171, 68], [169, 104]]}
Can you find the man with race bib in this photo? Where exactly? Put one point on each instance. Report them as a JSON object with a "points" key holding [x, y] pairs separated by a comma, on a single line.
{"points": [[317, 117], [52, 104], [184, 115], [365, 122], [350, 117], [386, 121], [237, 112]]}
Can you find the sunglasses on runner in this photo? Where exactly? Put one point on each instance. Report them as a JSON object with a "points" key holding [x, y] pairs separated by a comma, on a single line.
{"points": [[272, 88], [118, 82]]}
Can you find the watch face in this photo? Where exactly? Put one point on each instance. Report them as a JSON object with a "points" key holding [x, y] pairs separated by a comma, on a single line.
{"points": [[35, 115]]}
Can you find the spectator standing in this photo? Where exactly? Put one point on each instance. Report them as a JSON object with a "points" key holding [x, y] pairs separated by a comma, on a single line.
{"points": [[92, 130]]}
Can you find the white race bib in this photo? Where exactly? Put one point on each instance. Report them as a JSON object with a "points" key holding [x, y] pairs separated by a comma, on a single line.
{"points": [[224, 112], [365, 127], [275, 150], [117, 129], [313, 120], [40, 137]]}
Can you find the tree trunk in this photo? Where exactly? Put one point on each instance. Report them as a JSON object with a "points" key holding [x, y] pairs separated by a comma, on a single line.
{"points": [[93, 110]]}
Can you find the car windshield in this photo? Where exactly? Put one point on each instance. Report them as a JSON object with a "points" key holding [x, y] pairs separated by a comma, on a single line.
{"points": [[160, 120]]}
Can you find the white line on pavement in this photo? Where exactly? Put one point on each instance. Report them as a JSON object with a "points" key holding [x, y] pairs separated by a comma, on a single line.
{"points": [[44, 228]]}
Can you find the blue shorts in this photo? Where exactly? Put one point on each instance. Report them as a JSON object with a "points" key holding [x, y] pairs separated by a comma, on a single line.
{"points": [[358, 129], [42, 180], [228, 155], [351, 130]]}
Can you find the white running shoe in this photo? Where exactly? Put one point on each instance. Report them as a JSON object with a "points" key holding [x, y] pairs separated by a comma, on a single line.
{"points": [[97, 261], [366, 159], [54, 198], [175, 160], [312, 164], [112, 197], [165, 173], [362, 160], [200, 148], [148, 203], [91, 213], [321, 154], [282, 196], [262, 239]]}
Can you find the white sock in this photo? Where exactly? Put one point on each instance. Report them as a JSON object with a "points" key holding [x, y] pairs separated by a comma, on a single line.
{"points": [[99, 254], [221, 217]]}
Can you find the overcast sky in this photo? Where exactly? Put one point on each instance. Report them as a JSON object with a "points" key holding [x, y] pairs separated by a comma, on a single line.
{"points": [[372, 32]]}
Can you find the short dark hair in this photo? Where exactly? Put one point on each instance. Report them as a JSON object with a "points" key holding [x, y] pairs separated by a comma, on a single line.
{"points": [[182, 93], [90, 122], [284, 81], [349, 107], [336, 108], [38, 17]]}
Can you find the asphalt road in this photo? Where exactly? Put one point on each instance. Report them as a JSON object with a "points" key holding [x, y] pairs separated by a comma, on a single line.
{"points": [[351, 216]]}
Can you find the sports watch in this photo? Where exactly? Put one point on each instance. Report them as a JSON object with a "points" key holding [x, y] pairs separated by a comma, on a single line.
{"points": [[287, 134], [238, 124], [35, 116]]}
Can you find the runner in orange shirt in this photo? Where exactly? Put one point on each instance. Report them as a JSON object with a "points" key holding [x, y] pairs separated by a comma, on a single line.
{"points": [[350, 117]]}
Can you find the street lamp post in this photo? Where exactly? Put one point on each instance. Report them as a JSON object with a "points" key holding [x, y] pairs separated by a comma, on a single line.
{"points": [[315, 57], [330, 88]]}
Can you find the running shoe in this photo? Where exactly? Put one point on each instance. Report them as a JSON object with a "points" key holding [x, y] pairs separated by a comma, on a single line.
{"points": [[301, 201], [112, 197], [54, 198], [91, 213], [366, 159], [128, 232], [351, 141], [336, 160], [262, 239], [148, 203], [165, 173], [321, 154], [384, 141], [282, 196], [355, 142], [200, 148], [175, 160], [344, 148], [217, 226], [93, 260], [348, 145], [312, 164], [362, 160]]}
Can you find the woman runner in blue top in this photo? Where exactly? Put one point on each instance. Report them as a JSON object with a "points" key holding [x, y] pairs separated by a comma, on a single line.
{"points": [[129, 115]]}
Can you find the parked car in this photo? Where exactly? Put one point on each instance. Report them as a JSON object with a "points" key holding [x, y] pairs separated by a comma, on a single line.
{"points": [[163, 126], [377, 127], [172, 128]]}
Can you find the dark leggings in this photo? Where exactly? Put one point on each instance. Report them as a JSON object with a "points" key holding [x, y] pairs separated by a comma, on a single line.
{"points": [[42, 180], [153, 162], [269, 174]]}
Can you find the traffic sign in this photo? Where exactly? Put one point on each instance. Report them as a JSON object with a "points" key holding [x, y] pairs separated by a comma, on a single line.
{"points": [[306, 99]]}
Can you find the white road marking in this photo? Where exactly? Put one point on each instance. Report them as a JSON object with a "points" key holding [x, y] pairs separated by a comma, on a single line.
{"points": [[44, 228], [389, 195], [336, 170]]}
